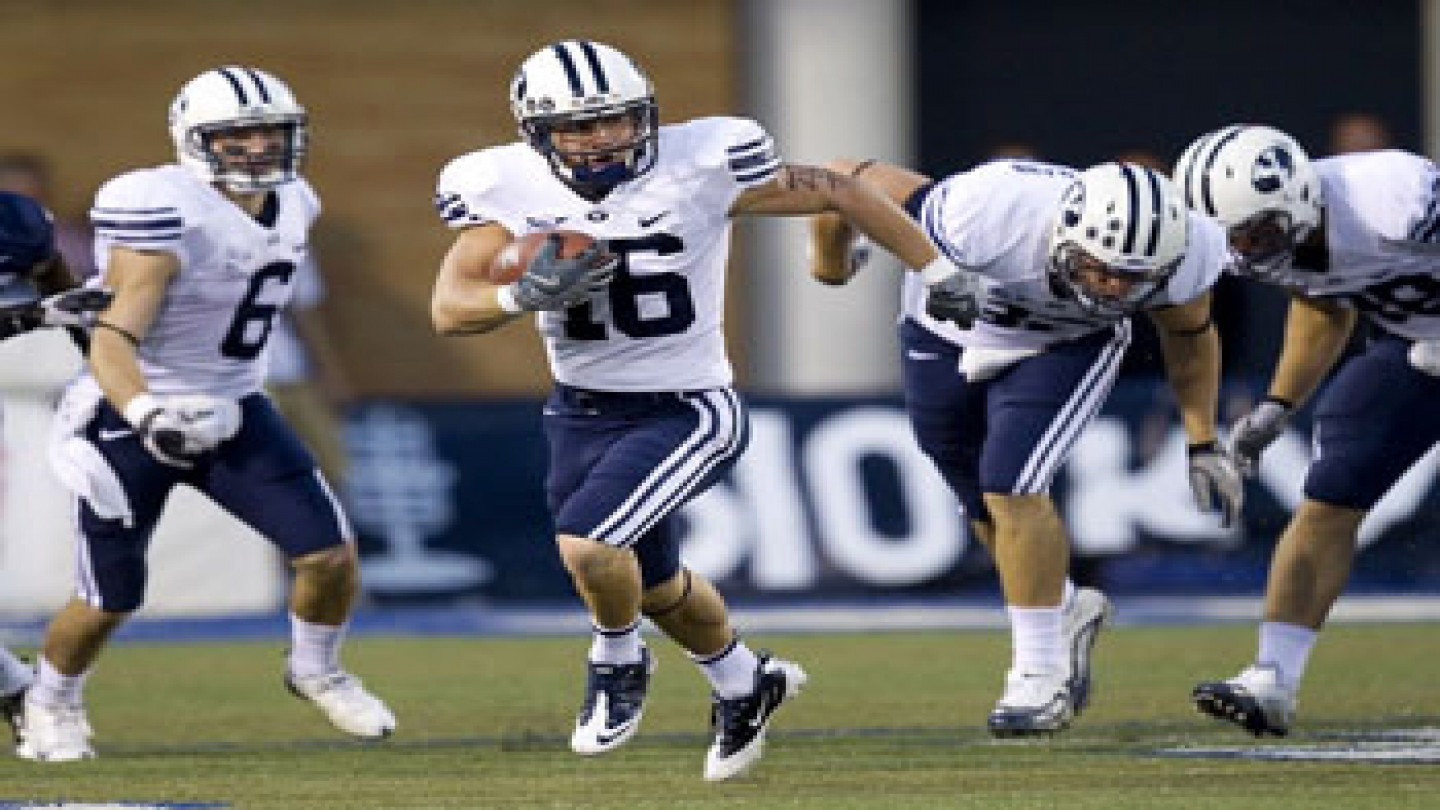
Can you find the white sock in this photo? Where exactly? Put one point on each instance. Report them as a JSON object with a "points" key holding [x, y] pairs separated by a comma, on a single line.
{"points": [[55, 688], [314, 648], [1288, 647], [732, 670], [14, 673], [620, 645], [1038, 645]]}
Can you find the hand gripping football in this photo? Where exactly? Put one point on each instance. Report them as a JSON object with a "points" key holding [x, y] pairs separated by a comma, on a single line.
{"points": [[512, 259]]}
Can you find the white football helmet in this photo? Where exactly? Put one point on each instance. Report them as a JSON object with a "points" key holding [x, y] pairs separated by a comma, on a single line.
{"points": [[577, 80], [1125, 224], [233, 97], [1258, 183]]}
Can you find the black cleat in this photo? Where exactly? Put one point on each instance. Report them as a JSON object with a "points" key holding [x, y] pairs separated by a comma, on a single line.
{"points": [[740, 723], [614, 704], [1257, 700]]}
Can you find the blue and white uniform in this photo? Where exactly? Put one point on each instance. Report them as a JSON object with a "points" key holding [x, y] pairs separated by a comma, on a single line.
{"points": [[643, 416], [1048, 363], [1376, 417], [208, 337]]}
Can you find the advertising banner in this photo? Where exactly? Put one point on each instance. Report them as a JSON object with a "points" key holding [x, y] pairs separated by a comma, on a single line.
{"points": [[833, 499]]}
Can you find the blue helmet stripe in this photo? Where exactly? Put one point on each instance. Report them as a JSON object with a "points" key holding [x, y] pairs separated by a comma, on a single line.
{"points": [[746, 147], [588, 48], [1133, 195], [1188, 183], [1206, 196], [236, 85], [260, 85], [1156, 213], [576, 87]]}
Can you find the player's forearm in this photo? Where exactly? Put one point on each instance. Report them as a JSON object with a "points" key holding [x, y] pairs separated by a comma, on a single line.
{"points": [[1192, 365], [1315, 335], [886, 223], [116, 367]]}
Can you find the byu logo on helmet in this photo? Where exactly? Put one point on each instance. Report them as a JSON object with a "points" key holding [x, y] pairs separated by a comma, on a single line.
{"points": [[1272, 170], [235, 99]]}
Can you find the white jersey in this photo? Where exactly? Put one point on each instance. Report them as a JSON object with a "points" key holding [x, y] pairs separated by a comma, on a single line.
{"points": [[995, 220], [235, 274], [658, 325], [1382, 234]]}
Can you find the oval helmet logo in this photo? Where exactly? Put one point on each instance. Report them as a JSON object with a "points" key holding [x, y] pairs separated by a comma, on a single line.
{"points": [[1272, 170]]}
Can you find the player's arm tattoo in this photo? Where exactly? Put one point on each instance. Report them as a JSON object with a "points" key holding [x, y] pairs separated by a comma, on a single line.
{"points": [[807, 178]]}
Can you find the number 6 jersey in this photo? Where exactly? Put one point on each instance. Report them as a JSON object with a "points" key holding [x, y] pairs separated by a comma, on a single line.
{"points": [[657, 326], [235, 273]]}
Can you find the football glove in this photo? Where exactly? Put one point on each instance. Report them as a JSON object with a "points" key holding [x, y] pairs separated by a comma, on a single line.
{"points": [[1254, 432], [179, 430], [952, 294], [75, 307], [1215, 481], [551, 282]]}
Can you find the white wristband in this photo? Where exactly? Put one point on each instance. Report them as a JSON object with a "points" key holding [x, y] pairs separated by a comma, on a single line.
{"points": [[140, 406], [939, 269], [505, 298]]}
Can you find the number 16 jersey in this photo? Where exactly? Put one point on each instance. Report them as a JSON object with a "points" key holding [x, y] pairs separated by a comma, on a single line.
{"points": [[210, 332], [657, 326]]}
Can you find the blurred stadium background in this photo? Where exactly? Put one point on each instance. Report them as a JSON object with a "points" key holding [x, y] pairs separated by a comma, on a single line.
{"points": [[832, 505]]}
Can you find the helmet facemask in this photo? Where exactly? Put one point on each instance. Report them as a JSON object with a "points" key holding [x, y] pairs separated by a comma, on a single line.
{"points": [[579, 168], [1264, 245], [1084, 278], [243, 171]]}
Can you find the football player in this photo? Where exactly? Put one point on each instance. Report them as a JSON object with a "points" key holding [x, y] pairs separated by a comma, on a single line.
{"points": [[28, 258], [643, 416], [1352, 235], [201, 256], [999, 385]]}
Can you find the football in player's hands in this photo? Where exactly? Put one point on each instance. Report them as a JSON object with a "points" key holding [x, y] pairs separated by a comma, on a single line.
{"points": [[512, 259]]}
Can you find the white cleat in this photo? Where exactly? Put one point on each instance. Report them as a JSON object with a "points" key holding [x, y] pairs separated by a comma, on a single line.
{"points": [[345, 702], [1081, 623], [1034, 703], [54, 732]]}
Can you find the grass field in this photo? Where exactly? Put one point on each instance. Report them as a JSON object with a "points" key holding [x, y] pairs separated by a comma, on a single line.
{"points": [[891, 720]]}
